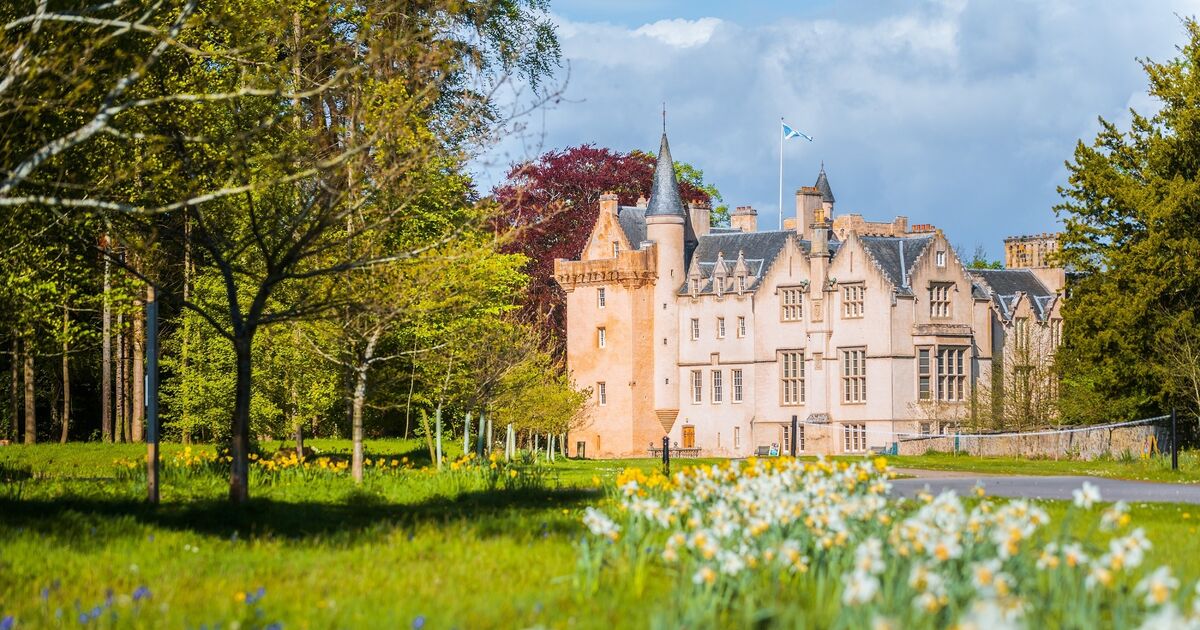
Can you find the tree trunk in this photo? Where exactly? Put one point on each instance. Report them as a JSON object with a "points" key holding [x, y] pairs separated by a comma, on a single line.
{"points": [[106, 384], [239, 448], [300, 440], [15, 393], [137, 383], [66, 375], [360, 396], [119, 391], [184, 420], [30, 417]]}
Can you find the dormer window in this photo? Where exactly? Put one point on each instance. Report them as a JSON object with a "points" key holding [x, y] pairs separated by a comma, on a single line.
{"points": [[719, 285], [695, 286], [616, 248], [941, 258], [741, 284]]}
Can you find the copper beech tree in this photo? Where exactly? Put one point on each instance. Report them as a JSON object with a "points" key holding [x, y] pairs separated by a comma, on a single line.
{"points": [[555, 200]]}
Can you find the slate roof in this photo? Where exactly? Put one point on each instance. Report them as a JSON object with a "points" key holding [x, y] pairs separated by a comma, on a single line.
{"points": [[823, 186], [1006, 286], [758, 249], [664, 193], [895, 257], [633, 222]]}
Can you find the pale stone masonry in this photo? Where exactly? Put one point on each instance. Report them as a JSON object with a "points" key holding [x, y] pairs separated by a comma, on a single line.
{"points": [[716, 337]]}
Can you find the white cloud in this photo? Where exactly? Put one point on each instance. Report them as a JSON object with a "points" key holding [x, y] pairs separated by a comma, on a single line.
{"points": [[953, 113], [679, 32]]}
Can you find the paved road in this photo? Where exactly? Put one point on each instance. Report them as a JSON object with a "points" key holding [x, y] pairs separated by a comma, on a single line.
{"points": [[1045, 487]]}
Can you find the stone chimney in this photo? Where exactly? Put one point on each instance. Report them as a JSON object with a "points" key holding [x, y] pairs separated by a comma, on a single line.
{"points": [[745, 219], [699, 214], [608, 203], [809, 210]]}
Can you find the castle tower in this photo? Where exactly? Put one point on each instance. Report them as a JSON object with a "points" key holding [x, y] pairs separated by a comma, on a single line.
{"points": [[827, 199], [665, 222]]}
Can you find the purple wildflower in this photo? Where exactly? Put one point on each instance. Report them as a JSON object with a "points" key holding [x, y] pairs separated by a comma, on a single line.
{"points": [[419, 622], [141, 593], [7, 622]]}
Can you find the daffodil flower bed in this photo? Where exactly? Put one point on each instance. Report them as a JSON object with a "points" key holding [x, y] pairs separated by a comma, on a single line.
{"points": [[819, 544], [493, 471]]}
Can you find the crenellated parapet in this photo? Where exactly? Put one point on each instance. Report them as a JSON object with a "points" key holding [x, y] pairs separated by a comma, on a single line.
{"points": [[631, 268]]}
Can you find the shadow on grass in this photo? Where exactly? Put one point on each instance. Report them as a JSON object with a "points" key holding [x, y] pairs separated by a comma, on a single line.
{"points": [[73, 520]]}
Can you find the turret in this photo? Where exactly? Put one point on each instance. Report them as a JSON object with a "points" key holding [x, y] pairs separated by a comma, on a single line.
{"points": [[665, 221]]}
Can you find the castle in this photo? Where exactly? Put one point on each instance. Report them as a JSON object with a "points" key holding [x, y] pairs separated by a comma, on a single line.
{"points": [[717, 337]]}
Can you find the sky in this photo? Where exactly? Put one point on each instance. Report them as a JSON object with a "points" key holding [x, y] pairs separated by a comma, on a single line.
{"points": [[960, 114]]}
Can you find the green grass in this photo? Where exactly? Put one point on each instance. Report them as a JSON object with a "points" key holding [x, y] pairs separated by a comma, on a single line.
{"points": [[443, 548], [1149, 469]]}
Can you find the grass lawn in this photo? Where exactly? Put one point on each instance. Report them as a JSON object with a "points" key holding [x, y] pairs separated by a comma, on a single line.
{"points": [[407, 549], [1149, 469]]}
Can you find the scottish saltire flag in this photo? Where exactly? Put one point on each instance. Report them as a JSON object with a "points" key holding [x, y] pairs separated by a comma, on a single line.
{"points": [[789, 133]]}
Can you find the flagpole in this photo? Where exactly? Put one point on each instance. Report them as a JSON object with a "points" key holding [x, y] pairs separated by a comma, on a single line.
{"points": [[781, 173]]}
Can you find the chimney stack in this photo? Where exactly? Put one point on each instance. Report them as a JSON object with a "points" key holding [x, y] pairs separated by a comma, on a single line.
{"points": [[745, 218], [699, 214], [608, 203], [809, 210]]}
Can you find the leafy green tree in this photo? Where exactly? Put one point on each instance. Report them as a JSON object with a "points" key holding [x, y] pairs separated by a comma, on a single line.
{"points": [[1131, 209]]}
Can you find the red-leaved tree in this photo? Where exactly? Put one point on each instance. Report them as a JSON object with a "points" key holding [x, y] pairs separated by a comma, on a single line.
{"points": [[554, 201]]}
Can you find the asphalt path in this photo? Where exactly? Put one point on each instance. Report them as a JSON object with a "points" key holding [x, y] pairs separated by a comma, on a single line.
{"points": [[1044, 487]]}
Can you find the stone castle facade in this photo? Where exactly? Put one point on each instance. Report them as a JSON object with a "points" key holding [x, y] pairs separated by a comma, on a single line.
{"points": [[717, 337]]}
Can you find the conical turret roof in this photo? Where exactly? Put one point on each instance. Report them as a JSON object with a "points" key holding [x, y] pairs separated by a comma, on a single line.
{"points": [[823, 186], [664, 192]]}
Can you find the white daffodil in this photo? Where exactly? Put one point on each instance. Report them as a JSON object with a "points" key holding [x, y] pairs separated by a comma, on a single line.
{"points": [[1086, 496]]}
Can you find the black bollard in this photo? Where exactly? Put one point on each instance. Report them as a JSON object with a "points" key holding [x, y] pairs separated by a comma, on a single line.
{"points": [[795, 427], [667, 455]]}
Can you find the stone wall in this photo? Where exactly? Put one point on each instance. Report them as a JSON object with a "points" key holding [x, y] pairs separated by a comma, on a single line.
{"points": [[1086, 444]]}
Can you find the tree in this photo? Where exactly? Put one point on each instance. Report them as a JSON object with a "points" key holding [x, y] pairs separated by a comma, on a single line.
{"points": [[1131, 207], [555, 201], [979, 258], [265, 129]]}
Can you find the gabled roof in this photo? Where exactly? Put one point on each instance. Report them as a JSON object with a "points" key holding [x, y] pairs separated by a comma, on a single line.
{"points": [[632, 220], [1006, 286], [758, 249], [895, 256], [823, 186], [664, 193]]}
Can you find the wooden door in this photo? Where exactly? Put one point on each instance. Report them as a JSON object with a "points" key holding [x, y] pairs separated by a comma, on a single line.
{"points": [[689, 436]]}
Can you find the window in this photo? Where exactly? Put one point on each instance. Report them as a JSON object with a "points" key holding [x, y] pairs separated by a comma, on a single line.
{"points": [[720, 328], [791, 377], [601, 337], [941, 258], [719, 285], [800, 438], [939, 299], [854, 438], [697, 387], [737, 437], [741, 327], [600, 297], [689, 436], [1021, 330], [786, 441], [1055, 333], [926, 429], [852, 300], [924, 391], [616, 248], [695, 328], [854, 376], [791, 305], [695, 286], [741, 284], [601, 394], [718, 393], [736, 377], [951, 369]]}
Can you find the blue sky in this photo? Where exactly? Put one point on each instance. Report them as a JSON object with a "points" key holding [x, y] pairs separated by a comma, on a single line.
{"points": [[949, 112]]}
